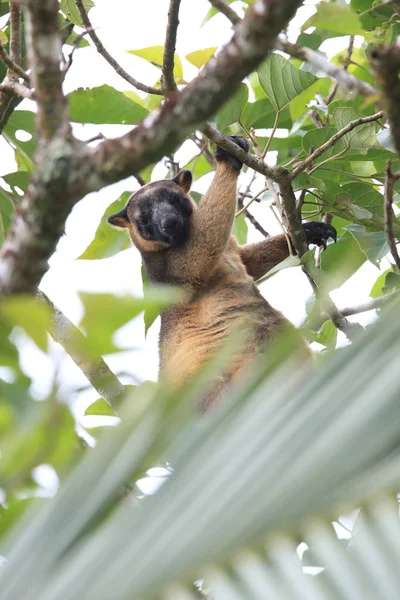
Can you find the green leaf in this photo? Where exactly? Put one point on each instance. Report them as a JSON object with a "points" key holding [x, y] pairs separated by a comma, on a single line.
{"points": [[72, 40], [327, 336], [231, 111], [106, 313], [365, 196], [29, 313], [22, 120], [289, 262], [108, 241], [100, 408], [335, 18], [282, 81], [261, 115], [373, 244], [199, 166], [392, 282], [201, 57], [104, 105], [240, 229], [341, 260], [70, 10], [298, 106], [363, 136], [155, 54], [377, 288], [7, 211]]}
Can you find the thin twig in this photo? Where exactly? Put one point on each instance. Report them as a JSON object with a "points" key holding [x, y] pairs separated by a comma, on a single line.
{"points": [[257, 195], [371, 304], [226, 10], [69, 59], [65, 333], [12, 65], [167, 79], [332, 141], [253, 220], [267, 145], [388, 202], [111, 61]]}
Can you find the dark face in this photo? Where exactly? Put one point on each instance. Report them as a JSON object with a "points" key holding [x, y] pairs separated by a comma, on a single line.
{"points": [[162, 215], [158, 215]]}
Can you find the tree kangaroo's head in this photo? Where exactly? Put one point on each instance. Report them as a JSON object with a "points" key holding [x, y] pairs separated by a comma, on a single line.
{"points": [[158, 215]]}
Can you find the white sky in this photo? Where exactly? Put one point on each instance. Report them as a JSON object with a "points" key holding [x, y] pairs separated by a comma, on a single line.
{"points": [[123, 25]]}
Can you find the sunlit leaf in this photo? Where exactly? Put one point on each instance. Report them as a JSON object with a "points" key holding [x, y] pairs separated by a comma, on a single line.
{"points": [[155, 54], [102, 105], [341, 260], [200, 57], [100, 408]]}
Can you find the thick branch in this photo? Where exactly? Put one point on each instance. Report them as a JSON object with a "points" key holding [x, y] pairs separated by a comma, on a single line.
{"points": [[167, 80], [254, 37], [386, 63], [318, 60], [332, 141], [68, 170], [14, 87], [390, 180], [73, 341], [44, 46], [111, 61]]}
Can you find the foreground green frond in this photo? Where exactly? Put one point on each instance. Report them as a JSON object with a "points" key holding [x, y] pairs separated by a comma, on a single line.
{"points": [[286, 455]]}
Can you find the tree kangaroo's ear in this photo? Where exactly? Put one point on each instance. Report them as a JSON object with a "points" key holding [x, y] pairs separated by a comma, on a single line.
{"points": [[120, 219], [184, 180]]}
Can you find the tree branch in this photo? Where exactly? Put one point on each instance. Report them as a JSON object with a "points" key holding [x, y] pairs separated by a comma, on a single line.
{"points": [[226, 10], [251, 160], [386, 62], [67, 169], [44, 51], [314, 275], [332, 141], [167, 80], [14, 87], [73, 341], [390, 180], [319, 61], [371, 304], [107, 56], [12, 66]]}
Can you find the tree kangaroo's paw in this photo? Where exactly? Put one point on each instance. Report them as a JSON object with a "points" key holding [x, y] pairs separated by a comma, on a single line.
{"points": [[318, 233], [223, 156]]}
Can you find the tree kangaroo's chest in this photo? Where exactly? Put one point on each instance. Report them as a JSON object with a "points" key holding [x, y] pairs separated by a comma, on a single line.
{"points": [[192, 333]]}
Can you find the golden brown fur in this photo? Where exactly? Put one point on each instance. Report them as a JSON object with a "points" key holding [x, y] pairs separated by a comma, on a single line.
{"points": [[218, 276]]}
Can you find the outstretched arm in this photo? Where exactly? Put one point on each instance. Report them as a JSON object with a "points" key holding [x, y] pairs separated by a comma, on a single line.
{"points": [[260, 257], [213, 220]]}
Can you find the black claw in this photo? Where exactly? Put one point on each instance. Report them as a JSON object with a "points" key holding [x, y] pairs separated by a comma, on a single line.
{"points": [[222, 155], [318, 233]]}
